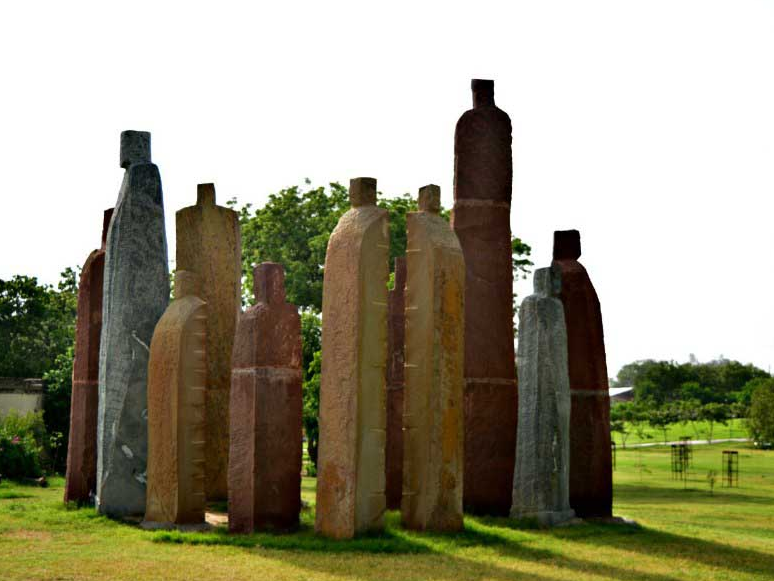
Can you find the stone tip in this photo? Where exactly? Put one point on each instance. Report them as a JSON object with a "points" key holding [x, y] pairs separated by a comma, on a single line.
{"points": [[205, 195], [106, 216], [429, 199], [400, 272], [135, 147], [362, 192], [547, 281], [269, 283], [483, 92], [186, 284], [567, 245]]}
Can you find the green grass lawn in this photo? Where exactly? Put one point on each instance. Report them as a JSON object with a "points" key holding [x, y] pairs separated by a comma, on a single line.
{"points": [[682, 534], [698, 431]]}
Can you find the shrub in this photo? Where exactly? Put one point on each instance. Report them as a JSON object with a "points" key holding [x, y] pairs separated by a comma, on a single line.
{"points": [[21, 443]]}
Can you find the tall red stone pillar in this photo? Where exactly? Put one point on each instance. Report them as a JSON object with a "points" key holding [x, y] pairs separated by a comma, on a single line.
{"points": [[264, 473], [591, 476], [396, 322], [81, 479], [483, 173]]}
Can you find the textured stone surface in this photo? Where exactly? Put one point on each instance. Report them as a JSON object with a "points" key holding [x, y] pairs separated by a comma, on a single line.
{"points": [[542, 476], [135, 295], [351, 480], [435, 353], [591, 476], [266, 407], [483, 172], [176, 406], [81, 478], [208, 243], [396, 322]]}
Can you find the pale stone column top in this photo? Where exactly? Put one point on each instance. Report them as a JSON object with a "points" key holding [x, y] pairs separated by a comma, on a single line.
{"points": [[430, 199], [205, 195], [135, 147], [186, 284], [106, 216], [483, 93], [567, 245], [269, 283], [547, 281], [362, 192]]}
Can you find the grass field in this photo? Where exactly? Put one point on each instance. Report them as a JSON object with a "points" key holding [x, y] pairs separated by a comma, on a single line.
{"points": [[700, 431], [682, 534]]}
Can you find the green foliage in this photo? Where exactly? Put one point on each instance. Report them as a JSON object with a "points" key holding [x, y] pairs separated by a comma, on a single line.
{"points": [[56, 408], [311, 338], [37, 323], [761, 419], [21, 444]]}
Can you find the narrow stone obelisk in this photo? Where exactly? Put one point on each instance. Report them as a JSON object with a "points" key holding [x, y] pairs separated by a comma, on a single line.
{"points": [[208, 243], [353, 419], [541, 481], [483, 172], [81, 478], [135, 295], [396, 323], [591, 474], [435, 354], [266, 407], [176, 409]]}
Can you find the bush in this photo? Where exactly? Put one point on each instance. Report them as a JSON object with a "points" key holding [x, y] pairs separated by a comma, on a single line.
{"points": [[21, 444]]}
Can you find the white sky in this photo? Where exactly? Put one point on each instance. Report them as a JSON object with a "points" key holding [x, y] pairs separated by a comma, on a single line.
{"points": [[649, 126]]}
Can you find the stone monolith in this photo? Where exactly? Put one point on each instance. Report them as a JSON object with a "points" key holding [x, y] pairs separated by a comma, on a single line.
{"points": [[396, 322], [81, 478], [483, 171], [591, 476], [176, 409], [541, 481], [266, 407], [351, 481], [208, 243], [135, 295], [435, 354]]}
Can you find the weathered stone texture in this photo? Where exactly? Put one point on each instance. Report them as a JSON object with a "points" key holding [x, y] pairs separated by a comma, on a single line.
{"points": [[208, 243], [591, 476], [176, 404], [541, 479], [435, 352], [81, 478], [351, 465], [266, 408], [396, 322], [483, 172], [135, 295]]}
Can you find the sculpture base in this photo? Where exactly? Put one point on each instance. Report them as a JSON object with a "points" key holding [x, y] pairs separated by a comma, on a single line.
{"points": [[547, 518]]}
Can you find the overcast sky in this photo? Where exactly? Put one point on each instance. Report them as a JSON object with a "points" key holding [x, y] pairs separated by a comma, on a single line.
{"points": [[648, 126]]}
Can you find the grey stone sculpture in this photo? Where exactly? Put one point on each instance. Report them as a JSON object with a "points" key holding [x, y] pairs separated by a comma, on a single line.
{"points": [[541, 487], [136, 293]]}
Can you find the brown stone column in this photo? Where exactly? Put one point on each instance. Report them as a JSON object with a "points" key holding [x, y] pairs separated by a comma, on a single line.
{"points": [[483, 172], [177, 368], [208, 244], [435, 350], [591, 476], [264, 475], [353, 419], [81, 479], [396, 321]]}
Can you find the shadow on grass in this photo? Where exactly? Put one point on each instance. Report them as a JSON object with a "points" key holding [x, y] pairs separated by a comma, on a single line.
{"points": [[697, 491], [11, 494]]}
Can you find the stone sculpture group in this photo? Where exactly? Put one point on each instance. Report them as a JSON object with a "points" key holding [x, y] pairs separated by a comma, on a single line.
{"points": [[177, 405]]}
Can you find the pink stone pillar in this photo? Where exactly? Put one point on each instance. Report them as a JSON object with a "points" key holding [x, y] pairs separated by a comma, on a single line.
{"points": [[396, 322]]}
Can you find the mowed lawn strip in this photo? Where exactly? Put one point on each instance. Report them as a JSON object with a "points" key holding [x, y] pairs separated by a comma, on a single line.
{"points": [[685, 532]]}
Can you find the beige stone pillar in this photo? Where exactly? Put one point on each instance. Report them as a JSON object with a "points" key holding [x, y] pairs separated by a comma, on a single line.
{"points": [[435, 354], [208, 244], [351, 481], [176, 402]]}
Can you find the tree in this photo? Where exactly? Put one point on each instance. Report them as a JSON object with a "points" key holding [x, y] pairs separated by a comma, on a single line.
{"points": [[761, 420], [714, 413], [634, 415], [661, 418], [619, 426]]}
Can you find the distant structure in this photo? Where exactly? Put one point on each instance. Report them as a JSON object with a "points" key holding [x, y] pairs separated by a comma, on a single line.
{"points": [[591, 468], [483, 174], [353, 419]]}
